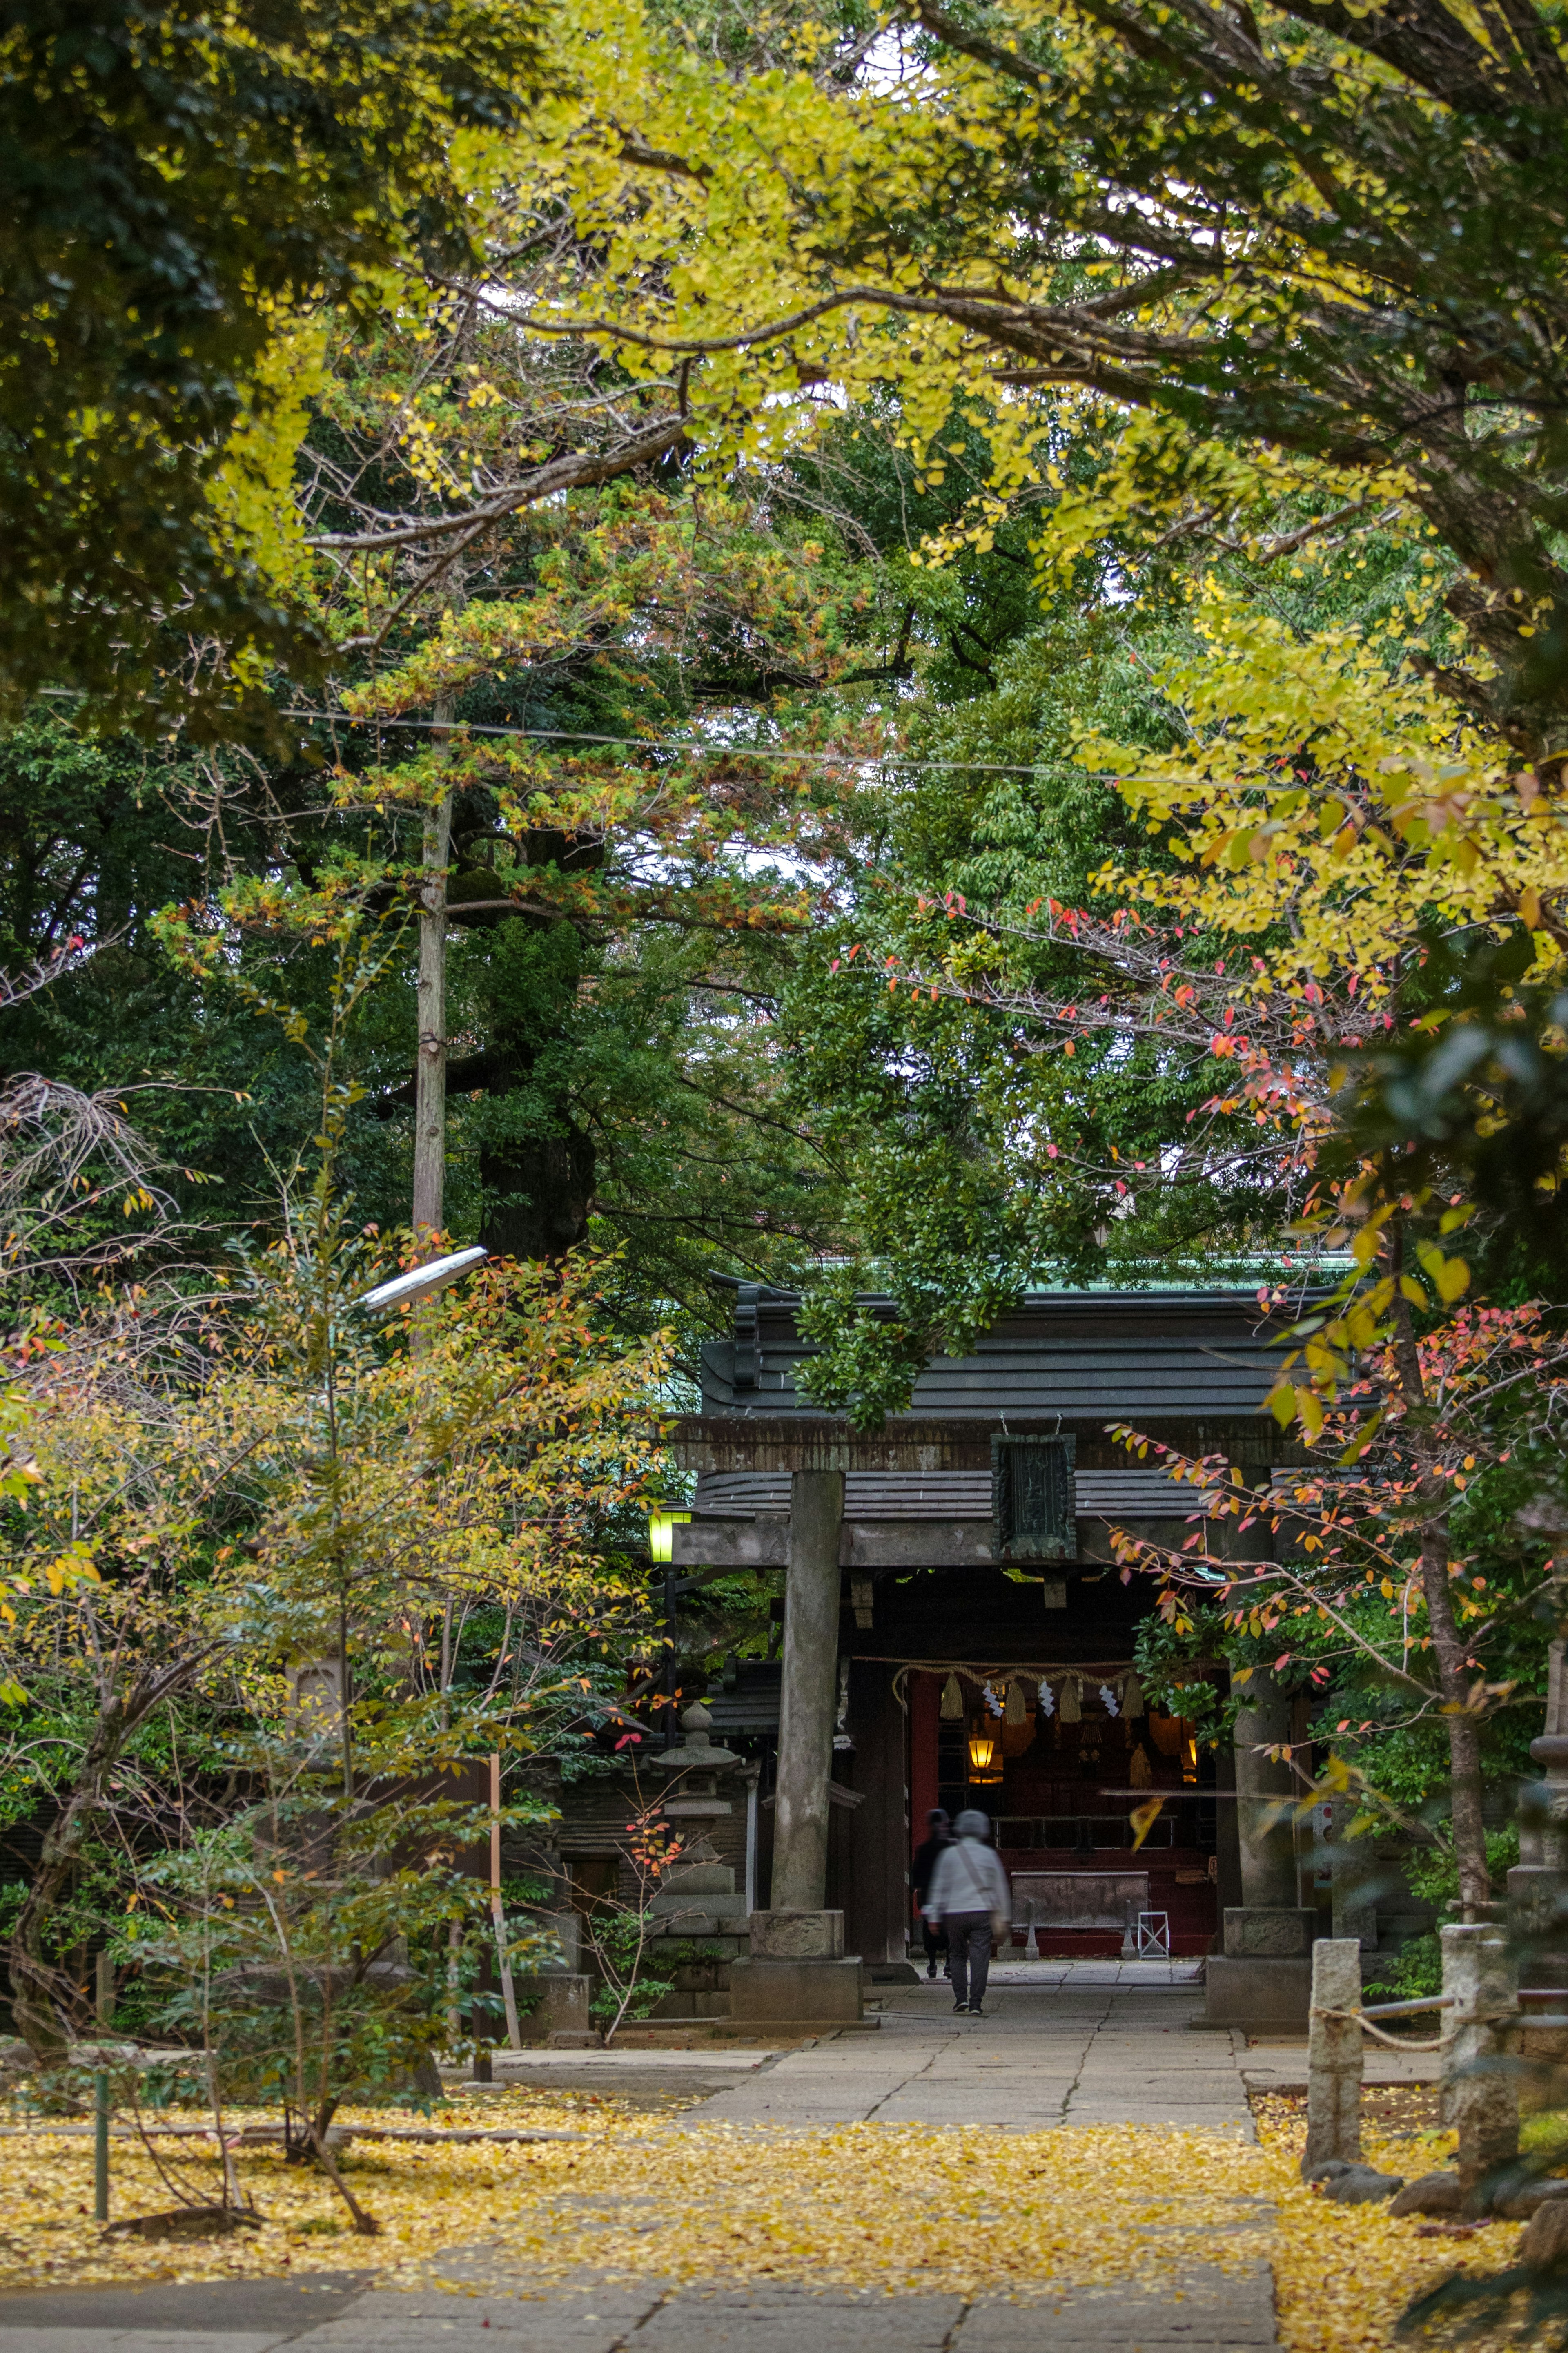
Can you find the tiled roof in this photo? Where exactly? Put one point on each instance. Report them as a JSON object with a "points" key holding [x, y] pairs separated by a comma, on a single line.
{"points": [[1136, 1493], [1088, 1357]]}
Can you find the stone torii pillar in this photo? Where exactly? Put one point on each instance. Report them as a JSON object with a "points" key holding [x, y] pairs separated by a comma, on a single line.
{"points": [[1263, 1977], [809, 1685], [796, 1972]]}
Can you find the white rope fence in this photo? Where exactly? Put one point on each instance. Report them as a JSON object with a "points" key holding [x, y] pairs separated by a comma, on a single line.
{"points": [[1480, 2015], [1390, 2009]]}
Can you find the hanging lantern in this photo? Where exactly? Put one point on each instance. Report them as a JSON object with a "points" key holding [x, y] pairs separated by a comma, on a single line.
{"points": [[985, 1753], [1132, 1694], [1072, 1712], [952, 1701], [1016, 1709]]}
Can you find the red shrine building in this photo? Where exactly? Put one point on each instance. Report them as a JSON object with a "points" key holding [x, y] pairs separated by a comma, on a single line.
{"points": [[956, 1632], [984, 1651]]}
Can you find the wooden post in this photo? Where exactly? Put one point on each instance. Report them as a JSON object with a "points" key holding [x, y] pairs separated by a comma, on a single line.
{"points": [[925, 1728], [454, 1983], [1334, 2055], [101, 2148], [874, 1885], [496, 1915], [925, 1778], [430, 1065], [810, 1683]]}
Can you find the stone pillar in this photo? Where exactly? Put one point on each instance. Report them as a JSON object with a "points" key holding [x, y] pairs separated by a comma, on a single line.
{"points": [[1481, 2033], [810, 1685], [1333, 2055], [1262, 1978], [797, 1974], [1538, 1896], [1356, 1879], [1264, 1786]]}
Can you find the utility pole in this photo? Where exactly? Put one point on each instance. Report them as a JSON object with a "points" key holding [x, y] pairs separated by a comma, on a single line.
{"points": [[430, 1068]]}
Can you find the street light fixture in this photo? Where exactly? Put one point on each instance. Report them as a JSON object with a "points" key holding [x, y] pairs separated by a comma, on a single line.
{"points": [[422, 1281]]}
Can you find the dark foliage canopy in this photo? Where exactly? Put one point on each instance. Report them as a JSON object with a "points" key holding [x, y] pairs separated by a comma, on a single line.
{"points": [[169, 177]]}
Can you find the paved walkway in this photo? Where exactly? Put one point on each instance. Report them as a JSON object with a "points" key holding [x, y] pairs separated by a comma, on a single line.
{"points": [[1211, 2314], [1080, 2043], [1071, 2054]]}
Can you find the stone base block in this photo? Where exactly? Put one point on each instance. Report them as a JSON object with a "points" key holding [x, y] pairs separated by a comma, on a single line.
{"points": [[813, 1993], [1259, 1995], [1542, 2066], [698, 1923], [797, 1935], [690, 1879], [559, 2005], [1268, 1932]]}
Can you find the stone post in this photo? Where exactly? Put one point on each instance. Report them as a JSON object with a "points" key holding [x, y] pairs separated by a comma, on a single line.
{"points": [[1480, 2034], [1264, 1786], [796, 1973], [1262, 1978], [1356, 1879], [1538, 1896], [1333, 2055], [810, 1683]]}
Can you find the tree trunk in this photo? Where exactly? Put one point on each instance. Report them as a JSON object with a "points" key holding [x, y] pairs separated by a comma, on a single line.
{"points": [[1464, 1739], [430, 1069], [1450, 1649], [538, 1194]]}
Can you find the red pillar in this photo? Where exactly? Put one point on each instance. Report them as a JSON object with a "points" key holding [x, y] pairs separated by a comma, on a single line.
{"points": [[925, 1701]]}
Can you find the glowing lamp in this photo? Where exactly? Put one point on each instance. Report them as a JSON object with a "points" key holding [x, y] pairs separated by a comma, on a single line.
{"points": [[985, 1756]]}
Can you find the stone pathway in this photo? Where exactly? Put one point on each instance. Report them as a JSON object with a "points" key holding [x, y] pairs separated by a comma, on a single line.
{"points": [[1209, 2313], [1084, 2050], [1074, 2054]]}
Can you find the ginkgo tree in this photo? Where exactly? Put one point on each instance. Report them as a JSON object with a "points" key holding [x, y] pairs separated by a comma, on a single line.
{"points": [[1275, 235], [1326, 821], [1169, 1056]]}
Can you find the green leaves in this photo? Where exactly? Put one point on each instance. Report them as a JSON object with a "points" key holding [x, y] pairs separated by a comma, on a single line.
{"points": [[180, 195]]}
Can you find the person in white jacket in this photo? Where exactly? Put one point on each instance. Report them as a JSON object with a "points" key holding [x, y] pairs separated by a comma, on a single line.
{"points": [[969, 1895]]}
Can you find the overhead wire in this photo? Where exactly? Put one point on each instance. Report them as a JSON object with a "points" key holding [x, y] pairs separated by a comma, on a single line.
{"points": [[667, 744]]}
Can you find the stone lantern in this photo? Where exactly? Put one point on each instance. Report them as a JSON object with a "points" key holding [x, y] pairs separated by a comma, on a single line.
{"points": [[698, 1898], [1537, 1896]]}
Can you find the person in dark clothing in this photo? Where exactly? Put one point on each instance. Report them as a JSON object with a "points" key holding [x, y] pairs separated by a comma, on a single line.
{"points": [[937, 1836]]}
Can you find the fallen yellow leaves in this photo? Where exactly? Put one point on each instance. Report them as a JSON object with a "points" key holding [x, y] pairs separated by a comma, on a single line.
{"points": [[903, 2209], [1343, 2274]]}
